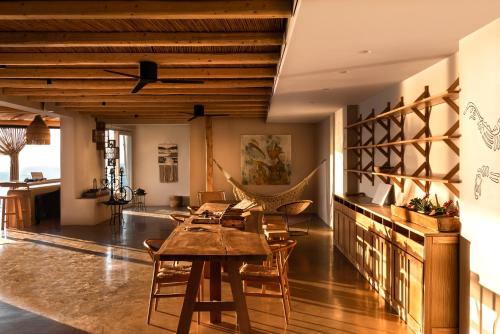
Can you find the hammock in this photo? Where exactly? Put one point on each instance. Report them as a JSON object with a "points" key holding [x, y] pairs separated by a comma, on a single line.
{"points": [[269, 202]]}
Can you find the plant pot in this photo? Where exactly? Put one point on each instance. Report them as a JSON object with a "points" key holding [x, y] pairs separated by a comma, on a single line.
{"points": [[175, 201], [436, 223]]}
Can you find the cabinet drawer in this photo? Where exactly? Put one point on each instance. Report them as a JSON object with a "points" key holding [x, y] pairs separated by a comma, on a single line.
{"points": [[364, 221], [415, 249]]}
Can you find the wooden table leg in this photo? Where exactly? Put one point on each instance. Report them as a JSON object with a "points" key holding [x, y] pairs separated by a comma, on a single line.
{"points": [[215, 289], [238, 296], [190, 297]]}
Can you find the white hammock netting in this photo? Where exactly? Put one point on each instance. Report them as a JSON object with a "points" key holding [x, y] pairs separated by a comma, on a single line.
{"points": [[269, 202]]}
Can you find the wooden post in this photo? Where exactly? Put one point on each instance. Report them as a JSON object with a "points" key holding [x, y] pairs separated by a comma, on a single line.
{"points": [[209, 153]]}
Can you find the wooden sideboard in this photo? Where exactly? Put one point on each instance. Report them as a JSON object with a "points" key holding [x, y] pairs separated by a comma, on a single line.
{"points": [[413, 268]]}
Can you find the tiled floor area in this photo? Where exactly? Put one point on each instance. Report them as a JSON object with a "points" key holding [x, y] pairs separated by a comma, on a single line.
{"points": [[96, 279]]}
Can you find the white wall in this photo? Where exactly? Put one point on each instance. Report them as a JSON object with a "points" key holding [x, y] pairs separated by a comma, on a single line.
{"points": [[480, 82], [438, 77], [325, 174], [145, 161], [80, 164], [227, 147]]}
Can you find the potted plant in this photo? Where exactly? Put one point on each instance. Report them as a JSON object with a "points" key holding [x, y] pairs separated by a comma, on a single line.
{"points": [[421, 211]]}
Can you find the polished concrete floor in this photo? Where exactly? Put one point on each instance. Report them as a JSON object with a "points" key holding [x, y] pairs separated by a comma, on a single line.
{"points": [[96, 279]]}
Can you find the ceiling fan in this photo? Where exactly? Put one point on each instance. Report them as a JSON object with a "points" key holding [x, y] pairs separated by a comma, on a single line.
{"points": [[199, 111], [148, 73]]}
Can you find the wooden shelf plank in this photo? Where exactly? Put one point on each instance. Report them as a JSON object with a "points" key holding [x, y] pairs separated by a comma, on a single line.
{"points": [[403, 142], [409, 177], [427, 102]]}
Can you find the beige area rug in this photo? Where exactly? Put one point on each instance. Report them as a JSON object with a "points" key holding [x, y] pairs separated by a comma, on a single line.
{"points": [[6, 241]]}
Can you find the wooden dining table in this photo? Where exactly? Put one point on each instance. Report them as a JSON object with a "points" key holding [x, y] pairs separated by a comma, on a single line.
{"points": [[215, 244]]}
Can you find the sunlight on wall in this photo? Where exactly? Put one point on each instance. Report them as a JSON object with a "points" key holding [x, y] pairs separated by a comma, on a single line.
{"points": [[484, 309], [339, 152]]}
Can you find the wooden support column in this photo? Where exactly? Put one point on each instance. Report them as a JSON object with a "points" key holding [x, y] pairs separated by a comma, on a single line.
{"points": [[209, 154]]}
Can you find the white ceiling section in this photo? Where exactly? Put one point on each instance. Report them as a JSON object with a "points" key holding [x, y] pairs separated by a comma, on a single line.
{"points": [[343, 51]]}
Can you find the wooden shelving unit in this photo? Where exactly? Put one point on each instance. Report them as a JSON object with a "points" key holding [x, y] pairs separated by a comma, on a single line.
{"points": [[408, 177], [419, 104], [394, 144], [404, 142]]}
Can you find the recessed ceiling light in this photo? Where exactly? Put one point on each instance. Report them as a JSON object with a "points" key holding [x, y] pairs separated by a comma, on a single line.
{"points": [[366, 52]]}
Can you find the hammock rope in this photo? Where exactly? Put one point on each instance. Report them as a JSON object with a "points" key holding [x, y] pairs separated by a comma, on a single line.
{"points": [[269, 202]]}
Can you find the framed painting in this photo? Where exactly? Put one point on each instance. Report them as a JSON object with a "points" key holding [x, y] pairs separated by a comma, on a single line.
{"points": [[266, 159]]}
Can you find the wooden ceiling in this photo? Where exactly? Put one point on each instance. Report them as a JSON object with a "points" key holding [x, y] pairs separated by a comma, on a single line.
{"points": [[56, 52]]}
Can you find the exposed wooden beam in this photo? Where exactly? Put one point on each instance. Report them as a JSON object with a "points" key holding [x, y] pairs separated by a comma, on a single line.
{"points": [[152, 105], [135, 39], [165, 10], [177, 91], [167, 113], [171, 115], [151, 98], [142, 121], [129, 59], [179, 117], [128, 84], [163, 73], [164, 110], [50, 122]]}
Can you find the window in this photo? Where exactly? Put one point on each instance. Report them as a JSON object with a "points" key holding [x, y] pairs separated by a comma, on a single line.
{"points": [[124, 143], [36, 158]]}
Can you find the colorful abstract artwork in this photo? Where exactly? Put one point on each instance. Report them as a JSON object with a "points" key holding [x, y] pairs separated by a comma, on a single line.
{"points": [[266, 159], [168, 162]]}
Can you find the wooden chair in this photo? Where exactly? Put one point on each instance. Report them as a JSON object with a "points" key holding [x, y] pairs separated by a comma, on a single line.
{"points": [[207, 197], [11, 202], [274, 227], [294, 209], [166, 275], [211, 196], [274, 272]]}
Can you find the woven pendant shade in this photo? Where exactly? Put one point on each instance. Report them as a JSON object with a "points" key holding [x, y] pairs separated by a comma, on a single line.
{"points": [[38, 133]]}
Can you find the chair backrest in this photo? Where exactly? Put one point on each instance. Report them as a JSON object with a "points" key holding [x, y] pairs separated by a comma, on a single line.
{"points": [[152, 246], [281, 250], [294, 208], [211, 196]]}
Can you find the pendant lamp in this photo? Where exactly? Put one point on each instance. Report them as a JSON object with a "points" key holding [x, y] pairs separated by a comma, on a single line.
{"points": [[38, 133]]}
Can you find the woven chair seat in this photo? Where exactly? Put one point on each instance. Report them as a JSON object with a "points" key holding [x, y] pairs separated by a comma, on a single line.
{"points": [[258, 272], [169, 273]]}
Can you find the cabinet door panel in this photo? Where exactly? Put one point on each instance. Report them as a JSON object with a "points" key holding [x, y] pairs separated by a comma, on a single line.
{"points": [[360, 250], [352, 240], [336, 216], [386, 266], [377, 261], [399, 287], [368, 252], [415, 293]]}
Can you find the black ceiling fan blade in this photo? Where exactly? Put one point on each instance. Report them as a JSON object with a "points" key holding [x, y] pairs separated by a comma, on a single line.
{"points": [[140, 84], [189, 120], [181, 81], [124, 74]]}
